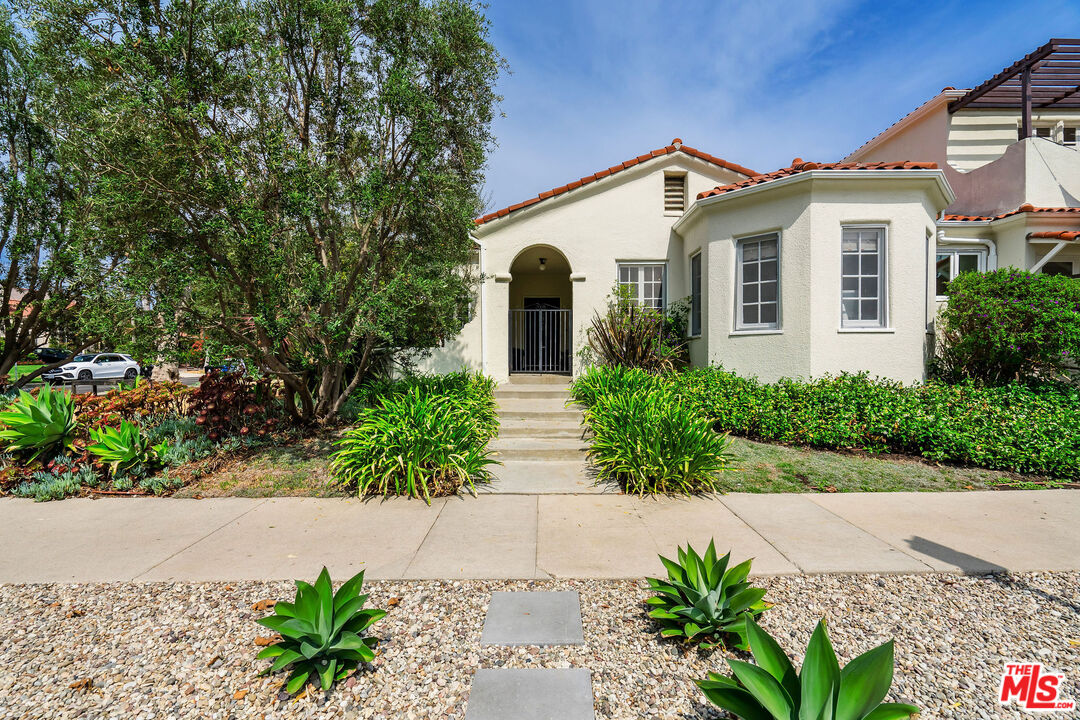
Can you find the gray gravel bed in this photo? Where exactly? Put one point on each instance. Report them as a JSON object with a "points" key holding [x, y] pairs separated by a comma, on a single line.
{"points": [[185, 650]]}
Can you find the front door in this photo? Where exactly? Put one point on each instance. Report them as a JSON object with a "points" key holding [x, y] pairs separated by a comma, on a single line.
{"points": [[540, 337]]}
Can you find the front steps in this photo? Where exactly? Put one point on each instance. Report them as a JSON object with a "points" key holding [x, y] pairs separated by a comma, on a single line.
{"points": [[540, 441]]}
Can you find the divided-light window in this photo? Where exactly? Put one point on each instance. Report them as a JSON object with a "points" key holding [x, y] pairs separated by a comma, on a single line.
{"points": [[758, 283], [862, 273]]}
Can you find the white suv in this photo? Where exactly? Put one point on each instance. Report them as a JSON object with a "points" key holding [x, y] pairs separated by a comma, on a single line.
{"points": [[95, 366]]}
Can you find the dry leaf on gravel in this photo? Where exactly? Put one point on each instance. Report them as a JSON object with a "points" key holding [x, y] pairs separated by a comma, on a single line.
{"points": [[263, 641], [83, 685], [393, 601], [239, 694], [263, 605]]}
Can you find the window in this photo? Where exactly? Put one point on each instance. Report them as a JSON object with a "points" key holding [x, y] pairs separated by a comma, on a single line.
{"points": [[1043, 132], [1068, 136], [695, 295], [674, 192], [1058, 267], [862, 271], [757, 282], [645, 283], [950, 263]]}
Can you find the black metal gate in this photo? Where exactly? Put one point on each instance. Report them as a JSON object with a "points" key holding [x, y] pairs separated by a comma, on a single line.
{"points": [[541, 341]]}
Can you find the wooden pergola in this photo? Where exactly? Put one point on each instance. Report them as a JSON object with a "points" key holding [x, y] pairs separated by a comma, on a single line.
{"points": [[1046, 78]]}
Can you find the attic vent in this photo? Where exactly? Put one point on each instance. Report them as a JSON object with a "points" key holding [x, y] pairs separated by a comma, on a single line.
{"points": [[674, 193]]}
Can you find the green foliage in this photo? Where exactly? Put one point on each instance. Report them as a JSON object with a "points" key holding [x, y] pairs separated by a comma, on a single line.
{"points": [[630, 335], [771, 690], [1009, 324], [322, 632], [416, 444], [276, 162], [650, 442], [58, 483], [1018, 427], [125, 450], [703, 599], [41, 425], [472, 391]]}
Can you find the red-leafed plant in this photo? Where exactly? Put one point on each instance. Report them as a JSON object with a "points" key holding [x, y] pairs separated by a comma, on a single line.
{"points": [[231, 404]]}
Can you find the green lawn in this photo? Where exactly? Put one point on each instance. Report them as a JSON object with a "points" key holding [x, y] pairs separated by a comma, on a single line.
{"points": [[766, 468], [19, 370]]}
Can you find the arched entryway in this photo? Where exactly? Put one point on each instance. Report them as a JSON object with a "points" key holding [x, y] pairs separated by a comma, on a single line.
{"points": [[541, 319]]}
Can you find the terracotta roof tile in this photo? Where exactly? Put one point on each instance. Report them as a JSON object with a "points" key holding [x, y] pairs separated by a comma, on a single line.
{"points": [[675, 146], [1056, 234], [1025, 208], [798, 165]]}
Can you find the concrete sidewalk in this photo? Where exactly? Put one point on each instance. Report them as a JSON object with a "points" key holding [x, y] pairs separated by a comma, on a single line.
{"points": [[533, 536]]}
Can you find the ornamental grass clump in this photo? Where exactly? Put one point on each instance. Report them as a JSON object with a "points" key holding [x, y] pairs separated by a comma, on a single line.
{"points": [[414, 444], [650, 442], [772, 690], [322, 632], [704, 601]]}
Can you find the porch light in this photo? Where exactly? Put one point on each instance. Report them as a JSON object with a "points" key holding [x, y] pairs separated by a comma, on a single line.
{"points": [[543, 264]]}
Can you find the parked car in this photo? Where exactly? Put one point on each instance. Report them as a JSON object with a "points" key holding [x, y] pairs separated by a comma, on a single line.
{"points": [[49, 355], [95, 366]]}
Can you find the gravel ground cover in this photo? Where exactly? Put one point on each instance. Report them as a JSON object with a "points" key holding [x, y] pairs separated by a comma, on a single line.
{"points": [[186, 650]]}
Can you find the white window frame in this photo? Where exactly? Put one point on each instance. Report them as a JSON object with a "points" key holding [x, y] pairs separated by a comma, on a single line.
{"points": [[700, 314], [640, 264], [741, 326], [882, 321], [954, 253]]}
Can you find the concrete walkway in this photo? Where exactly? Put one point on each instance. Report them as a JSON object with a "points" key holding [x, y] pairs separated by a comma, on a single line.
{"points": [[532, 536]]}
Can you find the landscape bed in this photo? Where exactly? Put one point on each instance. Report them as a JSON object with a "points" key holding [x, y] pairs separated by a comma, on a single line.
{"points": [[186, 650]]}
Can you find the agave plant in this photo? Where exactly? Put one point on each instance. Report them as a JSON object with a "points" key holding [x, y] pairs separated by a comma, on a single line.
{"points": [[39, 425], [321, 632], [703, 600], [125, 448], [771, 690]]}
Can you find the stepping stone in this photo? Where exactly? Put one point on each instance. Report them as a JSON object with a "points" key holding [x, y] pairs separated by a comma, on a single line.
{"points": [[531, 694], [533, 618]]}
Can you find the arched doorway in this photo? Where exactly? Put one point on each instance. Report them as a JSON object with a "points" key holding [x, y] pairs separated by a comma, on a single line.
{"points": [[541, 322]]}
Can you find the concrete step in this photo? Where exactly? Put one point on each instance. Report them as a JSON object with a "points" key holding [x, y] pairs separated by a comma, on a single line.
{"points": [[534, 392], [543, 477], [536, 417], [533, 448], [535, 431], [532, 404], [530, 379]]}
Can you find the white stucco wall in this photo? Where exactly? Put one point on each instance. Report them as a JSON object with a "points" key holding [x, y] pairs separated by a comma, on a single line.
{"points": [[617, 218], [979, 136], [809, 214]]}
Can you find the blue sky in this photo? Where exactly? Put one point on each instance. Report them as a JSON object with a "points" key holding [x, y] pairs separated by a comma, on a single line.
{"points": [[593, 83]]}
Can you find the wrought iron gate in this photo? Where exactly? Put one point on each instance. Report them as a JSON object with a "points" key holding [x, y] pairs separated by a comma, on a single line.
{"points": [[541, 341]]}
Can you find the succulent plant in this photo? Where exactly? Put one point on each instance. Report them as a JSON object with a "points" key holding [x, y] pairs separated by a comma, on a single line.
{"points": [[126, 449], [39, 425], [771, 690], [703, 600], [321, 632]]}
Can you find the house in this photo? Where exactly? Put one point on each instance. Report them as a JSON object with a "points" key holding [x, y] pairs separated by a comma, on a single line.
{"points": [[819, 267]]}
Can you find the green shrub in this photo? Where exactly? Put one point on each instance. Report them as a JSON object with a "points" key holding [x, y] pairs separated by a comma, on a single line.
{"points": [[822, 690], [630, 335], [39, 425], [471, 391], [125, 450], [322, 632], [1009, 324], [1020, 427], [603, 381], [414, 444], [650, 442], [703, 600]]}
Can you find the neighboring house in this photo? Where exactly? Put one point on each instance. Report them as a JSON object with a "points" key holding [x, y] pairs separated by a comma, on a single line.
{"points": [[815, 268]]}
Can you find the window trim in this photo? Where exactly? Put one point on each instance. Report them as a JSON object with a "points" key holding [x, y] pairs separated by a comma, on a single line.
{"points": [[953, 252], [696, 313], [751, 328], [882, 321], [619, 264]]}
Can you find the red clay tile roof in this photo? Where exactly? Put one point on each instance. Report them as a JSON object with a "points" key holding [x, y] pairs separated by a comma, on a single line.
{"points": [[675, 146], [1025, 208], [798, 165], [1056, 234]]}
